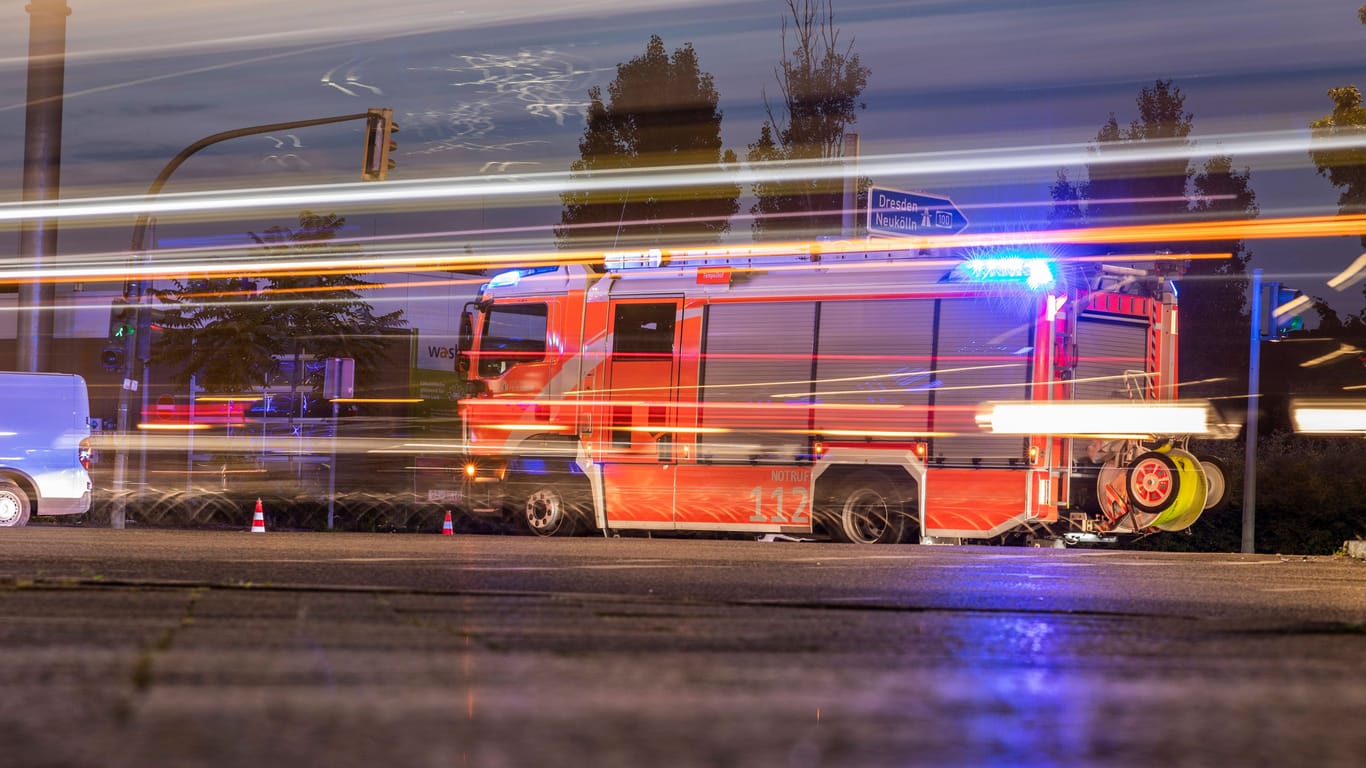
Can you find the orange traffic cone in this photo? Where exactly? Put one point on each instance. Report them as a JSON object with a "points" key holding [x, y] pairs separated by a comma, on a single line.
{"points": [[446, 528], [258, 520]]}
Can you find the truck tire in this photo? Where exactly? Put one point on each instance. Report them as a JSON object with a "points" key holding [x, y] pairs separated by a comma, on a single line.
{"points": [[14, 505], [870, 510], [548, 511]]}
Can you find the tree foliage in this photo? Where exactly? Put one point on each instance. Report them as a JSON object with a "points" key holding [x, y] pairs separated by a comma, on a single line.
{"points": [[1128, 183], [230, 332], [1141, 189], [1344, 168], [1214, 312], [661, 110], [1309, 493], [1067, 203], [821, 81]]}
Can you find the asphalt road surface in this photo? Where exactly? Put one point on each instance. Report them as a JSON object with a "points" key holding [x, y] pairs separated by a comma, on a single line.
{"points": [[187, 648]]}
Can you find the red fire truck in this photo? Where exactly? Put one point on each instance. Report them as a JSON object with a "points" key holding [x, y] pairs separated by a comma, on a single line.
{"points": [[836, 392]]}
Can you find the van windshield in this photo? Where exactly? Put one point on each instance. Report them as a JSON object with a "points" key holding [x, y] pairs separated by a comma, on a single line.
{"points": [[513, 333]]}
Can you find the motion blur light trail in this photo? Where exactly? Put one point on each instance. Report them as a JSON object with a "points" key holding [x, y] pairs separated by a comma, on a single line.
{"points": [[1349, 276], [1329, 417], [358, 263], [446, 254], [1083, 418], [477, 190]]}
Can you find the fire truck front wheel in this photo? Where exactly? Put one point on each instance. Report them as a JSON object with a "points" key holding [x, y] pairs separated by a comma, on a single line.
{"points": [[547, 511], [870, 510]]}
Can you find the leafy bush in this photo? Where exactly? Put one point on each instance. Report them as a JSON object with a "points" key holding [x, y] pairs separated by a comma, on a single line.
{"points": [[1310, 497]]}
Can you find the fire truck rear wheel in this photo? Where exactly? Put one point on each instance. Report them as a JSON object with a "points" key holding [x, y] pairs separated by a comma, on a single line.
{"points": [[14, 505], [871, 511], [547, 512]]}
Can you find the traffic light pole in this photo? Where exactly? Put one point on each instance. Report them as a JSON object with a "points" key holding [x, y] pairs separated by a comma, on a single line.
{"points": [[1254, 366], [134, 288]]}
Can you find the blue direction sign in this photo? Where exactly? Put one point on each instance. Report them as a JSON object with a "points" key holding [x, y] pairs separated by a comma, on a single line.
{"points": [[900, 214]]}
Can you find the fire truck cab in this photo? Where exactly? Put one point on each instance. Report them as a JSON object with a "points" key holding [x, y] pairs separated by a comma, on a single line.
{"points": [[845, 393]]}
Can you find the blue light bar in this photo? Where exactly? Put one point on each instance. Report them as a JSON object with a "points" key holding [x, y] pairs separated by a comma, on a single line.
{"points": [[514, 276], [1034, 271], [505, 279]]}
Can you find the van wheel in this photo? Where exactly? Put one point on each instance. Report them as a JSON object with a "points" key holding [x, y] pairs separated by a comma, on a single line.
{"points": [[546, 512], [14, 505], [872, 511]]}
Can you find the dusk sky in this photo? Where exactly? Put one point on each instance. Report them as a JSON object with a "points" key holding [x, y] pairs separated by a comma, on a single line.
{"points": [[488, 92]]}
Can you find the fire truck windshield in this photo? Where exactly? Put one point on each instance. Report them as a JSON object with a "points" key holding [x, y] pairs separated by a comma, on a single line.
{"points": [[513, 333]]}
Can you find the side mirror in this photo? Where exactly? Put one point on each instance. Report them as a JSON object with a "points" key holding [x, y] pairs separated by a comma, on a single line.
{"points": [[465, 339]]}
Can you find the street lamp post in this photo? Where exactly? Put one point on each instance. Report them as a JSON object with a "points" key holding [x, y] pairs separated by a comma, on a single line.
{"points": [[42, 175], [134, 289]]}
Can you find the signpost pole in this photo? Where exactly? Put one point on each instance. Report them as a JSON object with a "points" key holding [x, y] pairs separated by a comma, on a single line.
{"points": [[851, 150]]}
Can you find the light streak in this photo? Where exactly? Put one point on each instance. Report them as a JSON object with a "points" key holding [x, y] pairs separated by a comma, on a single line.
{"points": [[870, 433], [360, 263], [676, 430], [1348, 276], [1343, 350], [375, 400], [993, 159], [1090, 418], [1293, 307], [226, 398], [1329, 417]]}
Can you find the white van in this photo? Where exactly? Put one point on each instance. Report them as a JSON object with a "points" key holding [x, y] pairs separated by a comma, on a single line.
{"points": [[44, 446]]}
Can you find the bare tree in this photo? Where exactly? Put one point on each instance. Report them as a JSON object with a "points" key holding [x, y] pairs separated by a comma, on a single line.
{"points": [[821, 81]]}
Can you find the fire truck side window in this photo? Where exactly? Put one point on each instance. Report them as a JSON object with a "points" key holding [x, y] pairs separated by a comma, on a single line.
{"points": [[643, 329], [513, 333]]}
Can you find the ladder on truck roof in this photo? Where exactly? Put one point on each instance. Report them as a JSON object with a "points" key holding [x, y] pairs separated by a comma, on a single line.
{"points": [[758, 256]]}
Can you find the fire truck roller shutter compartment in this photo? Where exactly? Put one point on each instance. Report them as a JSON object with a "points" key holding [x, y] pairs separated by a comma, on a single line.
{"points": [[983, 350], [875, 353], [756, 380]]}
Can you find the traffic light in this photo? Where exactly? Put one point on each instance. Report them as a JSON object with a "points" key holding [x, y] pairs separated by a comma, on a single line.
{"points": [[112, 358], [379, 144], [1283, 308], [122, 321]]}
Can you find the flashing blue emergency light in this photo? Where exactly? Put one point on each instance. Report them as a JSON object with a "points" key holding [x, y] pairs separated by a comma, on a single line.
{"points": [[505, 279], [514, 276], [1034, 271]]}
